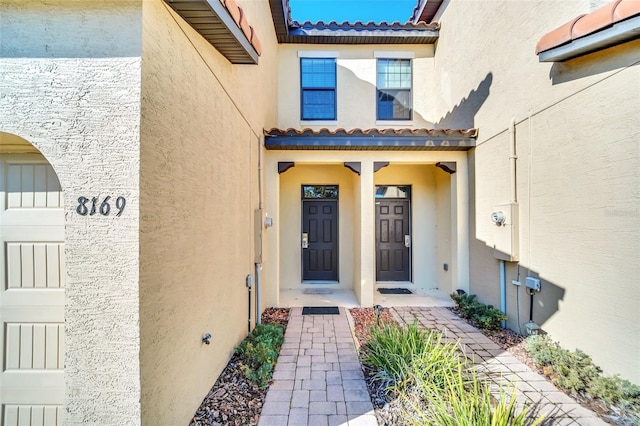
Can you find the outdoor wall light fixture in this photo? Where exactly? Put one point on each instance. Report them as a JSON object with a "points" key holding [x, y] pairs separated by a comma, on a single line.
{"points": [[498, 218], [206, 338]]}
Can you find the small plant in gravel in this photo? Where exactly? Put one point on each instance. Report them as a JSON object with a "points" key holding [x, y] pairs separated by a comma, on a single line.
{"points": [[576, 372], [484, 316], [260, 351]]}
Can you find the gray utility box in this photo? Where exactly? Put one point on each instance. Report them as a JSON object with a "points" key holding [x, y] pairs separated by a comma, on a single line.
{"points": [[532, 283]]}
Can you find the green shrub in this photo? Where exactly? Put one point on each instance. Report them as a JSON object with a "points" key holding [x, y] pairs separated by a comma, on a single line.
{"points": [[484, 316], [259, 352], [613, 390], [576, 372], [571, 371], [410, 355]]}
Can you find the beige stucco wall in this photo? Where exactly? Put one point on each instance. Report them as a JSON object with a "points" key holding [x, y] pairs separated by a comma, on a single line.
{"points": [[202, 121], [578, 171], [356, 85], [71, 86]]}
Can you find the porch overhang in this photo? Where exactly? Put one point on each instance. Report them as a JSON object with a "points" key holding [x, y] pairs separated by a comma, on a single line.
{"points": [[371, 139]]}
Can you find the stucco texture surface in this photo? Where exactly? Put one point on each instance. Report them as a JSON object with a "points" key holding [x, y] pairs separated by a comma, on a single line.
{"points": [[202, 121], [578, 174], [76, 98]]}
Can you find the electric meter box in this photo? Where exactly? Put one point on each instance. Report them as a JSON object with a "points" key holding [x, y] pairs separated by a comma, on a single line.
{"points": [[505, 218]]}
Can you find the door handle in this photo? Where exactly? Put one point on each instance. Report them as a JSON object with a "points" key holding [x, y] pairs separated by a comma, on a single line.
{"points": [[305, 240], [407, 241]]}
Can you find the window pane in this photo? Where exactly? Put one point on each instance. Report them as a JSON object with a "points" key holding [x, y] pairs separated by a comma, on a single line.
{"points": [[318, 73], [394, 74], [320, 191], [318, 104], [394, 104], [393, 191], [394, 89], [318, 81]]}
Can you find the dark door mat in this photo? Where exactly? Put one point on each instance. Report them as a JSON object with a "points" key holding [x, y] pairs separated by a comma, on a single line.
{"points": [[394, 291], [320, 310]]}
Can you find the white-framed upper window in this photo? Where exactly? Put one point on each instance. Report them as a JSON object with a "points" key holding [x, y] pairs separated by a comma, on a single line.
{"points": [[394, 89], [317, 88]]}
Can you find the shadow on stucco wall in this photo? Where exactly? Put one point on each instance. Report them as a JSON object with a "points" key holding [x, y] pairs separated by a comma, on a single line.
{"points": [[546, 302], [365, 93], [614, 58], [463, 115]]}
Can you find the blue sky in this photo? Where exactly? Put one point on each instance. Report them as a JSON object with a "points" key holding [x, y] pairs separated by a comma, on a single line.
{"points": [[352, 10]]}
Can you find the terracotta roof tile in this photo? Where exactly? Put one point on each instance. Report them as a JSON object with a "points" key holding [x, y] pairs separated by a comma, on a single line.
{"points": [[557, 37], [583, 25], [239, 16], [255, 41], [596, 20], [626, 9], [244, 24]]}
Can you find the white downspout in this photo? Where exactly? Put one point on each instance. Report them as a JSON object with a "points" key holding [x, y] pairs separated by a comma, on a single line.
{"points": [[512, 160], [258, 266], [514, 199], [503, 290]]}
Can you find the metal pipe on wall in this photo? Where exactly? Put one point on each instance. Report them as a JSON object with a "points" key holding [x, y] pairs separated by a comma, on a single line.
{"points": [[258, 282], [512, 160], [503, 290], [258, 265], [514, 199]]}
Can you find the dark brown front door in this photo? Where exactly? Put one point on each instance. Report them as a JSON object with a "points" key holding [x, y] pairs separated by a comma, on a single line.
{"points": [[393, 241], [320, 240]]}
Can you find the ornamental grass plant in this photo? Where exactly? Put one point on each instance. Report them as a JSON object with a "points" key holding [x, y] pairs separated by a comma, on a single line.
{"points": [[467, 401], [436, 384], [407, 356]]}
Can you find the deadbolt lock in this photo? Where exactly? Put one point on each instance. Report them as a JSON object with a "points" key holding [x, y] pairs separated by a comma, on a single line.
{"points": [[305, 240]]}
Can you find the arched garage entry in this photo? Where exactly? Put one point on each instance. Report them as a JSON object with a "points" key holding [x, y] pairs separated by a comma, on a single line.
{"points": [[32, 277]]}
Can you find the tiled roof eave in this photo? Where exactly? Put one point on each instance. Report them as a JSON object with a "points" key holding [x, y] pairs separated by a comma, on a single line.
{"points": [[213, 21], [614, 23], [371, 139], [313, 36], [289, 31], [618, 33]]}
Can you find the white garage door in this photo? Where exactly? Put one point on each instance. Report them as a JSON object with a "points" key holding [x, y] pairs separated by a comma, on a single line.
{"points": [[32, 292]]}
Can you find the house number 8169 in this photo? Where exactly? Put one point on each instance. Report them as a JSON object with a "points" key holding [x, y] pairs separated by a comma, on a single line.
{"points": [[104, 208]]}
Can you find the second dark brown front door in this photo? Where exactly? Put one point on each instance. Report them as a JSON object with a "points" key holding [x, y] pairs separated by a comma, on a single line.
{"points": [[393, 241], [320, 240]]}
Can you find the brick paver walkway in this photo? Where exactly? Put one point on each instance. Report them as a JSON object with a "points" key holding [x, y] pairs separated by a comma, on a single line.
{"points": [[502, 367], [318, 379]]}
